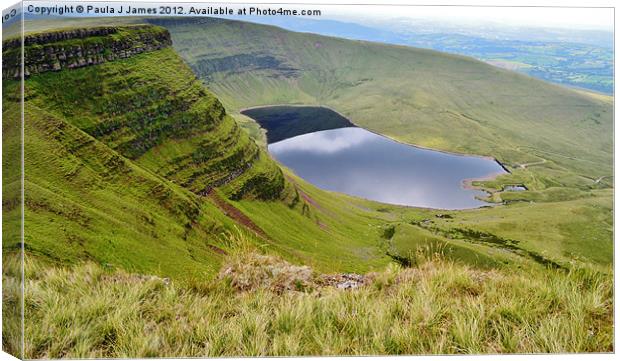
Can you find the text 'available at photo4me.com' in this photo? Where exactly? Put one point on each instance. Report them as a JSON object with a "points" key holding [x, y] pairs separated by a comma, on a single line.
{"points": [[136, 8]]}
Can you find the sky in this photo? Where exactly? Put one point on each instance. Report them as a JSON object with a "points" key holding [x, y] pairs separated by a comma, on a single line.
{"points": [[599, 14], [583, 18]]}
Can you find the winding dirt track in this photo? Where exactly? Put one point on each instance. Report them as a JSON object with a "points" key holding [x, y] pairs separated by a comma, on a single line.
{"points": [[525, 165], [599, 179]]}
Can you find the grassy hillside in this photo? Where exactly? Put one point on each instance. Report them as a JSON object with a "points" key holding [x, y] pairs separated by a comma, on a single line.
{"points": [[94, 190], [417, 96], [262, 306], [11, 221], [151, 110], [578, 230]]}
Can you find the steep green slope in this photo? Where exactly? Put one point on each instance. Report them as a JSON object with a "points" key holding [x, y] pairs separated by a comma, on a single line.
{"points": [[150, 109], [417, 96], [119, 154]]}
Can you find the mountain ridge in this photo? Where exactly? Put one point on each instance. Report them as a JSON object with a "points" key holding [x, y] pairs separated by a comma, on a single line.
{"points": [[94, 187], [75, 48]]}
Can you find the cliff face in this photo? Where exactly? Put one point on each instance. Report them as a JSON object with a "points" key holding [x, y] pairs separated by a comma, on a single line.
{"points": [[54, 51], [151, 109]]}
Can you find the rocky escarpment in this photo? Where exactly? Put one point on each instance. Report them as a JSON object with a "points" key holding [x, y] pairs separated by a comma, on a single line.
{"points": [[151, 108], [75, 48]]}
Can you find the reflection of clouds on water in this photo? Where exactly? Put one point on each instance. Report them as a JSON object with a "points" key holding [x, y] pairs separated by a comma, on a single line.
{"points": [[403, 189], [360, 163], [323, 142]]}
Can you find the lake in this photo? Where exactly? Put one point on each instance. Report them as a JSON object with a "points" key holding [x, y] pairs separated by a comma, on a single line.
{"points": [[357, 162]]}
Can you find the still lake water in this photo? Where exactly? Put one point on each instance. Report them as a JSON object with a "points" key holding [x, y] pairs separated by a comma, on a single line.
{"points": [[357, 162]]}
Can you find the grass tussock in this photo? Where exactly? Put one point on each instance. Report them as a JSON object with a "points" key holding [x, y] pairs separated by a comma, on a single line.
{"points": [[256, 308], [253, 271]]}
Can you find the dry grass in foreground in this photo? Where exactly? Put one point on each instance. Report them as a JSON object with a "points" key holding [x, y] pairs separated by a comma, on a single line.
{"points": [[263, 306]]}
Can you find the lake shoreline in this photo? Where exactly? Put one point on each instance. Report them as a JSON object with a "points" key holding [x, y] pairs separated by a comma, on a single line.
{"points": [[361, 163], [467, 183]]}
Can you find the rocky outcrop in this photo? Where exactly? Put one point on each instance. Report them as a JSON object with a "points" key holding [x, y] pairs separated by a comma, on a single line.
{"points": [[75, 48], [55, 36]]}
